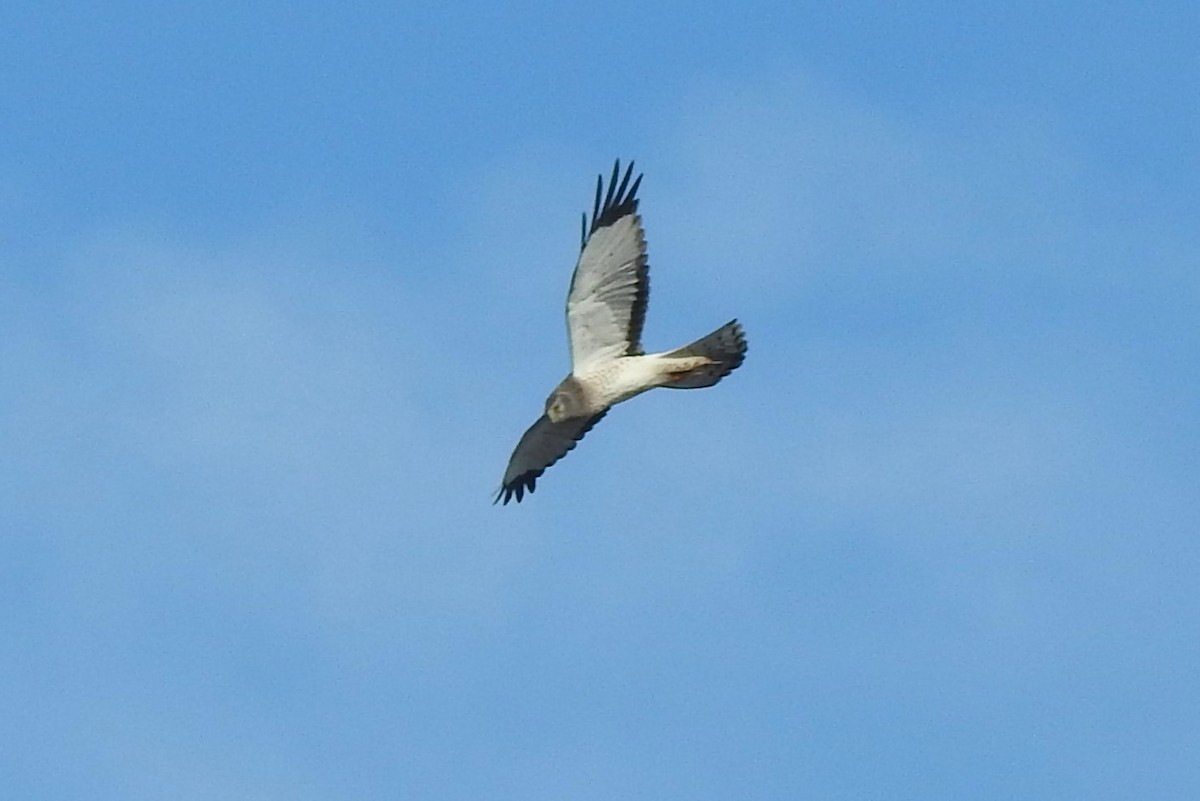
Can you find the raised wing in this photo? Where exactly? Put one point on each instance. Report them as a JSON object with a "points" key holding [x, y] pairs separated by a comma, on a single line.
{"points": [[606, 305], [541, 446]]}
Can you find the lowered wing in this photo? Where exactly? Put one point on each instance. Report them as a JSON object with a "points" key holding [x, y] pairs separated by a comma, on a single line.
{"points": [[541, 446]]}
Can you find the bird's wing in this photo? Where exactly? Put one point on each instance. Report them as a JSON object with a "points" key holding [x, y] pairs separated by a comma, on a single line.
{"points": [[606, 305], [541, 446]]}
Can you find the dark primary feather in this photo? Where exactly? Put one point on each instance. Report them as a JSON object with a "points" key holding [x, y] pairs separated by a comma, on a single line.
{"points": [[617, 202], [541, 446]]}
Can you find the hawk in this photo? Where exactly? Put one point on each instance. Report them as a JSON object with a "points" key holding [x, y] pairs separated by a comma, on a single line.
{"points": [[606, 307]]}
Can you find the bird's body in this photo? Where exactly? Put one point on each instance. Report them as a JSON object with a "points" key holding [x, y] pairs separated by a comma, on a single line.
{"points": [[609, 383], [606, 307]]}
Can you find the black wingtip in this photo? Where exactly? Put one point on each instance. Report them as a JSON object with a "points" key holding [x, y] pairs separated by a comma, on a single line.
{"points": [[618, 201], [596, 203], [633, 189], [517, 489], [612, 183], [625, 180]]}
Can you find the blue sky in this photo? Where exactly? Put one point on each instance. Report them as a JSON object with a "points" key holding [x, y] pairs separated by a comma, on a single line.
{"points": [[280, 288]]}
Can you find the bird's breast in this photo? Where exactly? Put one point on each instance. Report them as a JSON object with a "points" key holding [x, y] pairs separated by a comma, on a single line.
{"points": [[612, 382]]}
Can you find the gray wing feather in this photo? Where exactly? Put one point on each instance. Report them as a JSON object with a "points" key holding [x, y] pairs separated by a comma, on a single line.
{"points": [[606, 305], [541, 446]]}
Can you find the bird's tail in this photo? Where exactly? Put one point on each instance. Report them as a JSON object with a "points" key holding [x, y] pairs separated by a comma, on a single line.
{"points": [[725, 349]]}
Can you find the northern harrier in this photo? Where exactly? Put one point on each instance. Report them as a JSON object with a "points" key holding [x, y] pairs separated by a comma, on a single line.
{"points": [[606, 306]]}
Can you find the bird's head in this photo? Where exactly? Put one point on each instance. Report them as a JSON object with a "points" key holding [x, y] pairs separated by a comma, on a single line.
{"points": [[556, 407], [565, 401]]}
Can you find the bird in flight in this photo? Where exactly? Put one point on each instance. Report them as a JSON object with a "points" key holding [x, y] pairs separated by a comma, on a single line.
{"points": [[606, 307]]}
